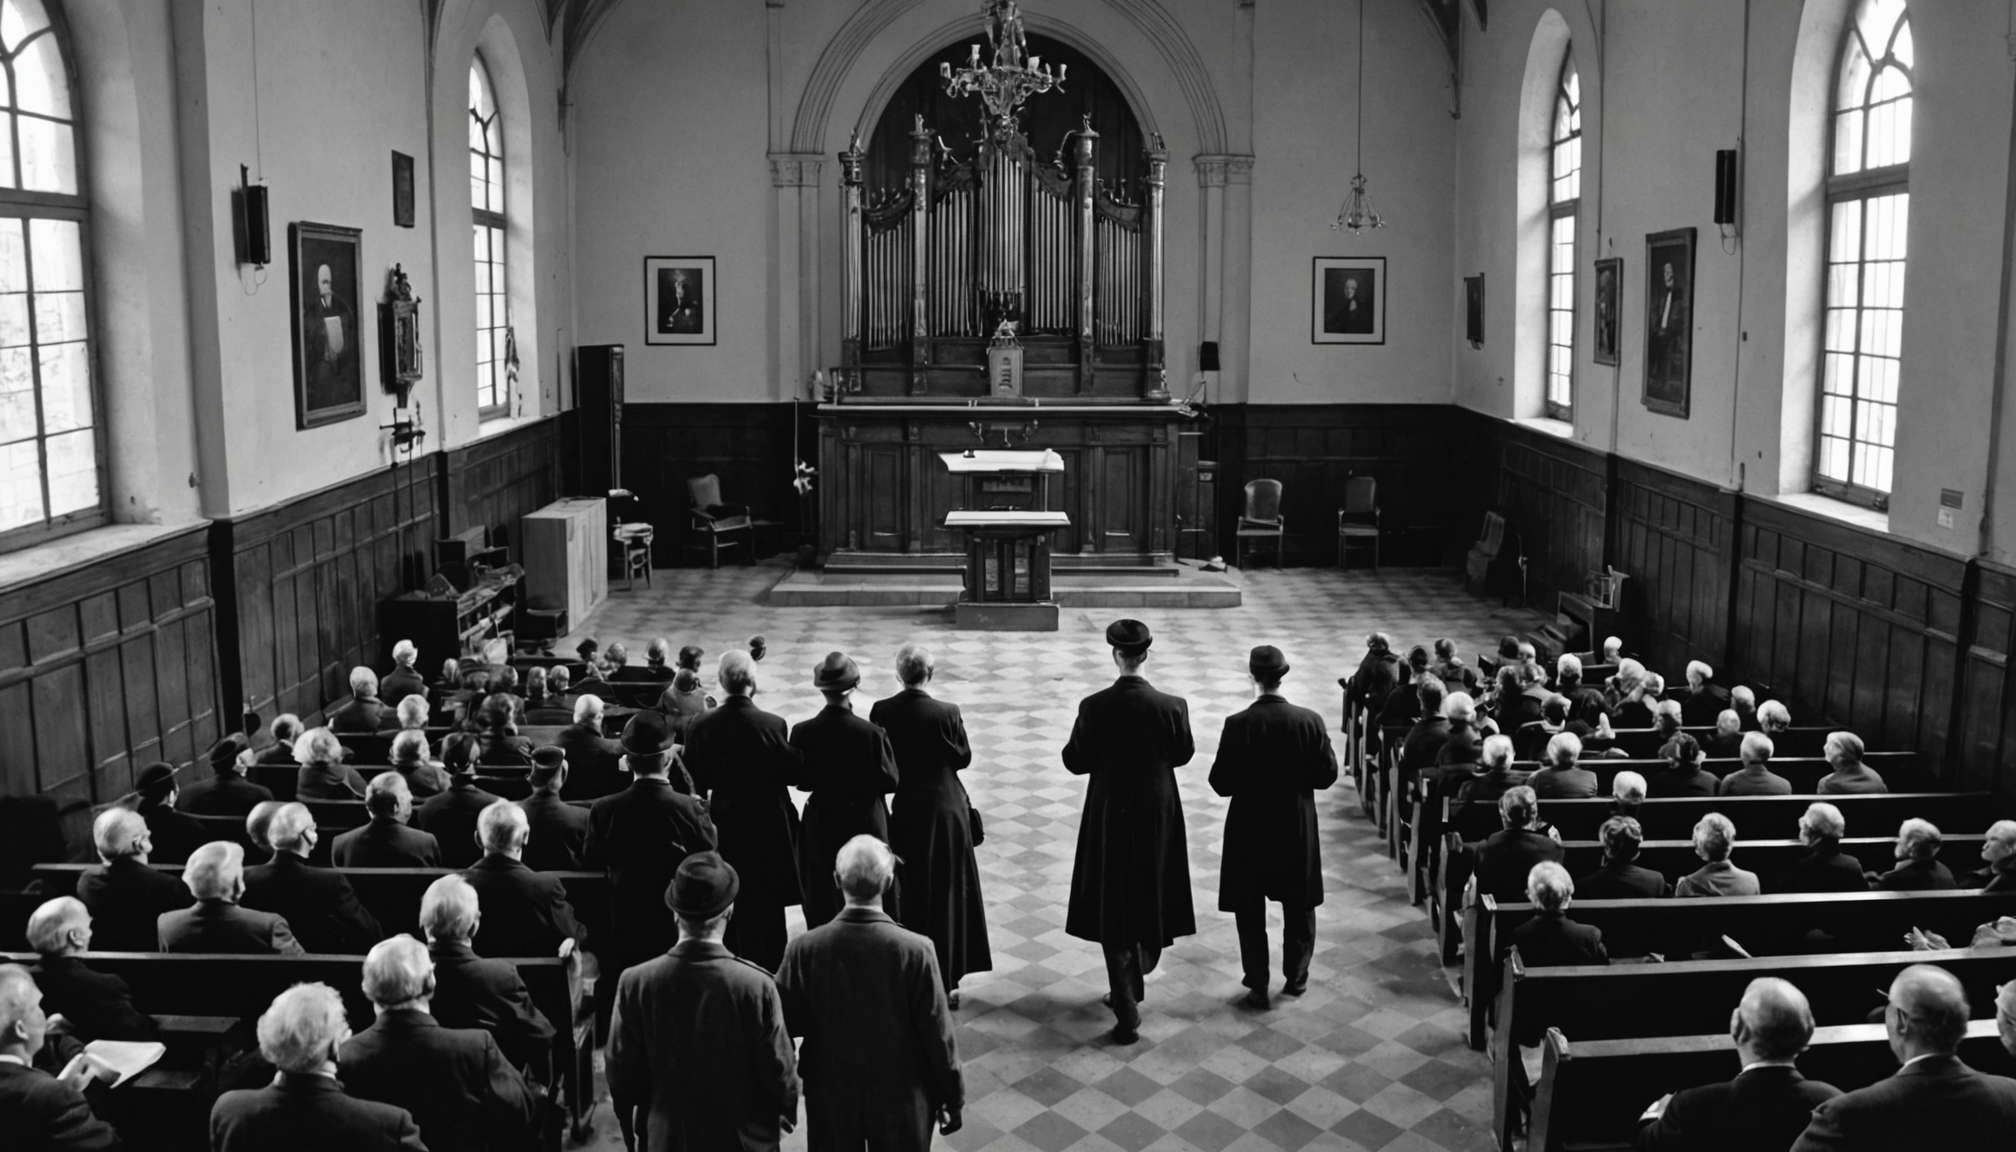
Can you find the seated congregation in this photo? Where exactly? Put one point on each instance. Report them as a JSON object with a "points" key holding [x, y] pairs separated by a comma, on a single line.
{"points": [[1575, 838]]}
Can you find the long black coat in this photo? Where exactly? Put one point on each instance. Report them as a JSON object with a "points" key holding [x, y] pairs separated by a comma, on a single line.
{"points": [[1270, 759], [1130, 883], [472, 992], [741, 757], [454, 1082], [317, 903], [641, 834], [931, 831], [847, 766], [126, 899]]}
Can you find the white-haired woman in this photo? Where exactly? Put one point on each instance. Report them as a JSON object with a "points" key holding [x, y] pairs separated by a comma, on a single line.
{"points": [[1714, 840]]}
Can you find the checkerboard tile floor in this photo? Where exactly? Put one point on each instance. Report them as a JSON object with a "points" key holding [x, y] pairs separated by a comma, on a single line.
{"points": [[1371, 1057]]}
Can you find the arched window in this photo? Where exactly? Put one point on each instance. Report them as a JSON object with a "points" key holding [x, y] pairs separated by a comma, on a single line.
{"points": [[486, 199], [51, 459], [1868, 210], [1564, 203]]}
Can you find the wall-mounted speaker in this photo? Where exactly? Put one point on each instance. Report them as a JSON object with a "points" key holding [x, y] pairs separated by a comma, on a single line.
{"points": [[255, 238], [1725, 186], [1207, 357]]}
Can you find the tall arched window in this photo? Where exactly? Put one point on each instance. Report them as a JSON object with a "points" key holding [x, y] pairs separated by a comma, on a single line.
{"points": [[1564, 204], [486, 198], [51, 457], [1868, 210]]}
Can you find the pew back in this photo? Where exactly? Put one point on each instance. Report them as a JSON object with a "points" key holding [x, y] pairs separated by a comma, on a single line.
{"points": [[1673, 818]]}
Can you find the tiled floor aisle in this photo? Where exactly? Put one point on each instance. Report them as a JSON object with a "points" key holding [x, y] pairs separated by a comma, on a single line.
{"points": [[1371, 1057]]}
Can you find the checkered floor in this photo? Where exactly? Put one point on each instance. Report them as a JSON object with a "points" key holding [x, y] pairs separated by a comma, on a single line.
{"points": [[1371, 1057]]}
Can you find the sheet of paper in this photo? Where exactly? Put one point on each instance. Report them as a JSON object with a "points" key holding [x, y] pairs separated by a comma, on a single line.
{"points": [[129, 1058], [332, 326]]}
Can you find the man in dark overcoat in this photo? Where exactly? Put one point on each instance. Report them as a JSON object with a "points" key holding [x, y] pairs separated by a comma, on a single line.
{"points": [[742, 761], [880, 1062], [640, 834], [846, 764], [1130, 884], [1271, 759], [698, 1054]]}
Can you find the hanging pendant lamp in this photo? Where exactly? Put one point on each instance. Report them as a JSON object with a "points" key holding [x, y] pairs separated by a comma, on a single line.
{"points": [[1357, 214]]}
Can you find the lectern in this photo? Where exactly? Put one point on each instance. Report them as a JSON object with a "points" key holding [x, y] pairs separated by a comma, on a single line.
{"points": [[1007, 521]]}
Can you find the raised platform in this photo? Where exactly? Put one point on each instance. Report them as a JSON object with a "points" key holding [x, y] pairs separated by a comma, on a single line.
{"points": [[1165, 586]]}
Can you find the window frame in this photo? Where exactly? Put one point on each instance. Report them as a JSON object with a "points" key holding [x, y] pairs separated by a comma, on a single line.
{"points": [[1862, 186], [1569, 209], [18, 203], [498, 221]]}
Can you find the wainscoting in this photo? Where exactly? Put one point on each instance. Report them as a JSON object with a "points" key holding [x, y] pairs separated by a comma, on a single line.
{"points": [[747, 445], [105, 668]]}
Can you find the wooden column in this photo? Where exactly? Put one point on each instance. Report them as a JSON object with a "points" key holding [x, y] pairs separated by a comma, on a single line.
{"points": [[1155, 379], [920, 255], [1085, 179], [852, 228]]}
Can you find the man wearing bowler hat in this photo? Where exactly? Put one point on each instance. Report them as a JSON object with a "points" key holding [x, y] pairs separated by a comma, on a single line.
{"points": [[847, 766], [640, 834], [698, 1054], [1271, 758], [227, 792], [743, 761], [1130, 885]]}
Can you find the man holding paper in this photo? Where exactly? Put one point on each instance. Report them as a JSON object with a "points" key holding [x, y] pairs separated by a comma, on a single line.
{"points": [[40, 1110]]}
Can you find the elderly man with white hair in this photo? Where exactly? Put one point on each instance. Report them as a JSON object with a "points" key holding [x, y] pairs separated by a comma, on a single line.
{"points": [[403, 680], [1620, 878], [425, 779], [742, 761], [1850, 776], [1918, 868], [528, 911], [323, 775], [285, 730], [1627, 793], [306, 1106], [1769, 1103], [1726, 741], [881, 1064], [471, 991], [385, 841], [1773, 718], [594, 762], [96, 1005], [1714, 840], [1506, 858], [1755, 777], [1550, 939], [124, 896], [1563, 778], [456, 1083], [318, 903], [1998, 851], [1705, 699], [41, 1111], [365, 713], [215, 875], [1826, 868]]}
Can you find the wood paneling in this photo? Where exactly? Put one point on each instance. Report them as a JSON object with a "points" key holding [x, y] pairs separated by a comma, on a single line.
{"points": [[1674, 536], [1555, 494], [107, 667], [747, 445], [494, 482]]}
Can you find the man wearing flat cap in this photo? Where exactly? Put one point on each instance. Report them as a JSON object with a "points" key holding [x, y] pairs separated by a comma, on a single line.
{"points": [[1130, 885], [641, 834], [743, 761], [1271, 759], [848, 767], [698, 1055], [227, 792]]}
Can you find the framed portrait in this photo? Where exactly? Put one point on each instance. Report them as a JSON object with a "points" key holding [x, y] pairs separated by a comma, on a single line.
{"points": [[402, 190], [1609, 299], [679, 299], [328, 361], [1348, 300], [1473, 310], [1669, 312]]}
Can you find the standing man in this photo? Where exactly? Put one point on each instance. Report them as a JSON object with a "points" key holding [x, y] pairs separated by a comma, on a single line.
{"points": [[742, 760], [1130, 884], [1271, 759], [846, 764], [641, 834], [698, 1056], [881, 1063]]}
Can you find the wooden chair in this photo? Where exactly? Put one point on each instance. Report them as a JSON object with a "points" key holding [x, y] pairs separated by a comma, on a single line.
{"points": [[1358, 520], [716, 525], [1262, 518]]}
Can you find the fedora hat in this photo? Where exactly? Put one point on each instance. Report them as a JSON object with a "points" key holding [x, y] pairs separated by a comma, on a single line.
{"points": [[703, 887], [836, 673], [1129, 636], [1267, 663], [646, 734]]}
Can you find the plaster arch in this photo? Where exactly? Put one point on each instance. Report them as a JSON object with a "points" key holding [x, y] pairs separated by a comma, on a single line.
{"points": [[813, 129]]}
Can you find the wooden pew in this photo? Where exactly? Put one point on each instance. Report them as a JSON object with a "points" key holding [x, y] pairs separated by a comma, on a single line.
{"points": [[1674, 818], [1759, 923], [1632, 1001], [196, 984], [1591, 1093], [1796, 742], [391, 895]]}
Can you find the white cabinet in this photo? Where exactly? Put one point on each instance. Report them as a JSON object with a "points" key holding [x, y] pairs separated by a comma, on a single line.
{"points": [[567, 557]]}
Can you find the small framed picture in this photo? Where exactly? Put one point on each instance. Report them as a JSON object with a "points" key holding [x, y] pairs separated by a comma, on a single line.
{"points": [[1348, 300], [402, 190], [328, 368], [679, 299], [1669, 321], [1473, 309], [1609, 299]]}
